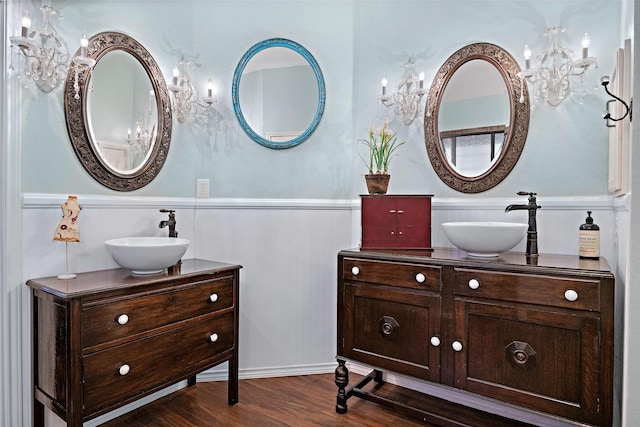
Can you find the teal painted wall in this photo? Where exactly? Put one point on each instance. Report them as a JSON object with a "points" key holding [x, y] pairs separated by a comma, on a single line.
{"points": [[355, 44]]}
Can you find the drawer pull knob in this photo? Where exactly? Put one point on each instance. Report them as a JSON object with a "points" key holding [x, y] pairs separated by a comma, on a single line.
{"points": [[213, 297], [124, 370], [123, 319], [355, 271], [400, 211], [392, 211], [420, 278], [474, 284], [456, 346], [213, 337], [571, 295], [435, 341]]}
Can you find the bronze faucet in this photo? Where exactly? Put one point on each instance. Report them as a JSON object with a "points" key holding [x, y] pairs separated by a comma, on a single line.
{"points": [[171, 222], [532, 232]]}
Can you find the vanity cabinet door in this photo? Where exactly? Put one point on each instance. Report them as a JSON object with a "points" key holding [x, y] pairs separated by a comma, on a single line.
{"points": [[529, 356], [395, 329]]}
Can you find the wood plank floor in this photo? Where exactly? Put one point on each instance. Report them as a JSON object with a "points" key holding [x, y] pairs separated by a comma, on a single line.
{"points": [[267, 402]]}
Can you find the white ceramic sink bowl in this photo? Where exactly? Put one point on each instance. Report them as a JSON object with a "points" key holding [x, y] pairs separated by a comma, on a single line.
{"points": [[147, 255], [485, 239]]}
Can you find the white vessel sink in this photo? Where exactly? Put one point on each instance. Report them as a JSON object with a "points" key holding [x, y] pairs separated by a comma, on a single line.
{"points": [[147, 255], [485, 239]]}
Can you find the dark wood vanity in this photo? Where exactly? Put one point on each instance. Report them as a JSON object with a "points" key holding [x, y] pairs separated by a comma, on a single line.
{"points": [[536, 333], [107, 338]]}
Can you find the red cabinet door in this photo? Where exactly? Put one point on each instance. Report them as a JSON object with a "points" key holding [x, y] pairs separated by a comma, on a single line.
{"points": [[396, 222]]}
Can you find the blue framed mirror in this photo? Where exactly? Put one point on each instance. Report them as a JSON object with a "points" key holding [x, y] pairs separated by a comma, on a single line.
{"points": [[278, 93]]}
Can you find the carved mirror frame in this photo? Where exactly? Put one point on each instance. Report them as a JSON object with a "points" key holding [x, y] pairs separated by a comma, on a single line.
{"points": [[76, 115], [518, 120], [235, 92]]}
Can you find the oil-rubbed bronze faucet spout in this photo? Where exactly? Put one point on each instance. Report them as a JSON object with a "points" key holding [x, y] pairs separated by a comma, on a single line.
{"points": [[532, 232], [171, 222]]}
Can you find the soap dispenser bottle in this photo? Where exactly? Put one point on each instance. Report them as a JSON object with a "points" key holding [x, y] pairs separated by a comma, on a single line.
{"points": [[589, 239]]}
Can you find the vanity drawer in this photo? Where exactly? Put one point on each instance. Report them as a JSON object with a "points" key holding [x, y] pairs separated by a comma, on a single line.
{"points": [[392, 273], [105, 320], [581, 294], [153, 361]]}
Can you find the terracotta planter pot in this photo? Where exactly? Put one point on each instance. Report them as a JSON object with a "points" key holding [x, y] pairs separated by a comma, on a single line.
{"points": [[377, 183]]}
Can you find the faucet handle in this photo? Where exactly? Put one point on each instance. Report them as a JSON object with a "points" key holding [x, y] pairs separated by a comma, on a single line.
{"points": [[167, 211], [525, 193]]}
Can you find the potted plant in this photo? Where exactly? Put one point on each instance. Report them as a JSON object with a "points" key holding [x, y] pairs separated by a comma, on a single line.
{"points": [[381, 144]]}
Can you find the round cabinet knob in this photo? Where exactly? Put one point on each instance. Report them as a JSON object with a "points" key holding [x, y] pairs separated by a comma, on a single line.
{"points": [[435, 341], [213, 297], [474, 284], [420, 278], [571, 295], [355, 271], [124, 370], [456, 346], [123, 319], [213, 337]]}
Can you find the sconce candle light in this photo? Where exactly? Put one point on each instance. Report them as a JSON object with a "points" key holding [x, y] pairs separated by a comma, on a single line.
{"points": [[628, 107], [80, 63], [407, 94], [550, 77], [185, 93]]}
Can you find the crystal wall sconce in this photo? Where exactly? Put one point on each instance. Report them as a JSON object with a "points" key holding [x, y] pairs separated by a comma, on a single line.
{"points": [[186, 100], [550, 76], [406, 96], [45, 53]]}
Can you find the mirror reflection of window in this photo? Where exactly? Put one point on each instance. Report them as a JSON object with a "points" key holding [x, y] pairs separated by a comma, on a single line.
{"points": [[474, 114], [471, 152]]}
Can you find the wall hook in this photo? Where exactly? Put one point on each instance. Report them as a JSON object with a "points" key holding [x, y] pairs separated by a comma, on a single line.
{"points": [[607, 116]]}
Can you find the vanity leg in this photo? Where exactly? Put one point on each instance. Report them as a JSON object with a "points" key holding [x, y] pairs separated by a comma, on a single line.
{"points": [[342, 379], [377, 376], [38, 413], [191, 381], [233, 379]]}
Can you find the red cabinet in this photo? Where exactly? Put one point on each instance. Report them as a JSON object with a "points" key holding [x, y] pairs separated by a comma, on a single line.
{"points": [[396, 222]]}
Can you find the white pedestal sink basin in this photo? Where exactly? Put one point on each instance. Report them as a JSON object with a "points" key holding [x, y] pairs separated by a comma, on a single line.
{"points": [[147, 255], [485, 239]]}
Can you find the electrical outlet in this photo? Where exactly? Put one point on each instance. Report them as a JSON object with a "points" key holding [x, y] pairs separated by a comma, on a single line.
{"points": [[202, 188]]}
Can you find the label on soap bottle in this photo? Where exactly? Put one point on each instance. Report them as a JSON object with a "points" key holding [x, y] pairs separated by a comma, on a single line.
{"points": [[589, 243]]}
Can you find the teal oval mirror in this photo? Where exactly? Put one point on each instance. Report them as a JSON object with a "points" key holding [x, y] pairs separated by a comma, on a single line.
{"points": [[278, 93]]}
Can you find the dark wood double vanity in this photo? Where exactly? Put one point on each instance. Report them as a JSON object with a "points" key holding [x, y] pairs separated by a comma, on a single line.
{"points": [[107, 338], [534, 333]]}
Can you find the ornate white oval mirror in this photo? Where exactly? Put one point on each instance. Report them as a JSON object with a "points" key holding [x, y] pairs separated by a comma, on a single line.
{"points": [[476, 118], [278, 93], [120, 127]]}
